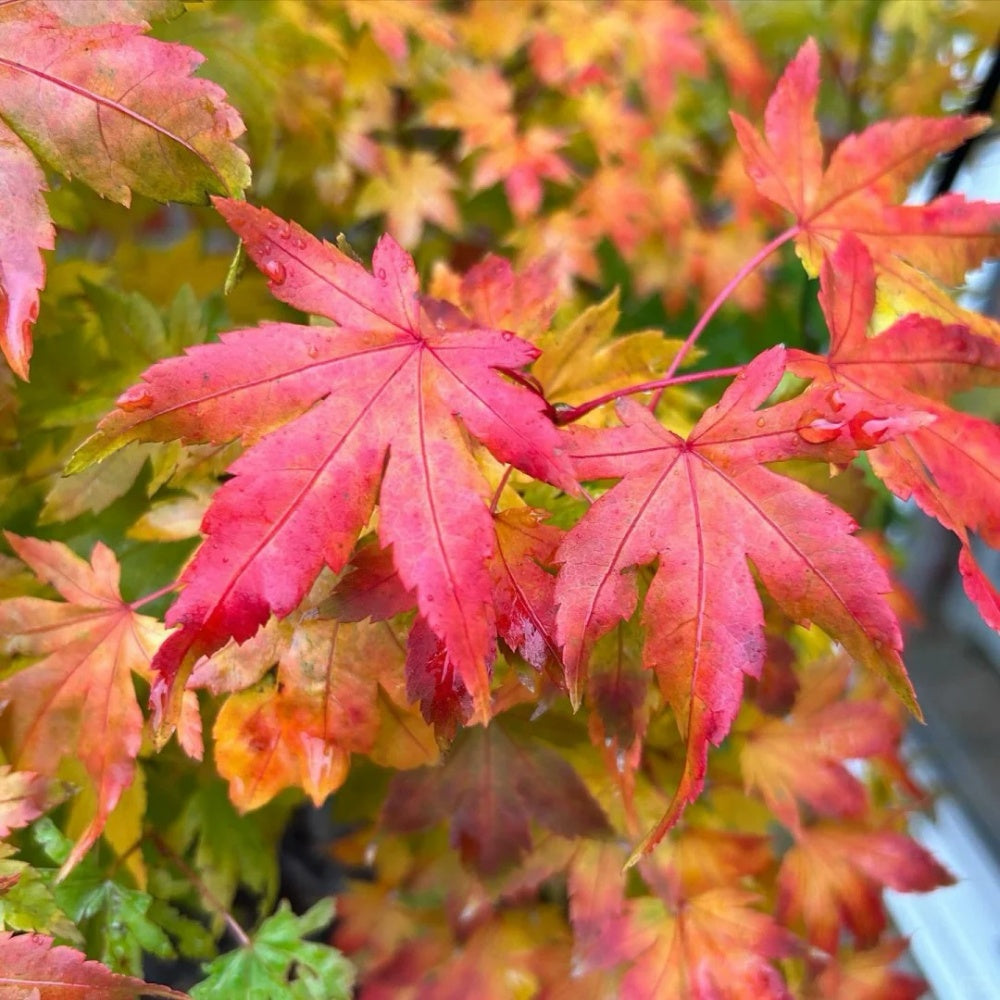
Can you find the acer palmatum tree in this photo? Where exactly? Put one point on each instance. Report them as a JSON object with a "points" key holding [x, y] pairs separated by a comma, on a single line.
{"points": [[574, 596]]}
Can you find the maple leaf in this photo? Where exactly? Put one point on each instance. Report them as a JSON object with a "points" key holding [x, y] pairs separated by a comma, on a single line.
{"points": [[702, 508], [714, 945], [33, 967], [490, 788], [336, 416], [523, 604], [522, 160], [914, 246], [478, 106], [803, 756], [24, 796], [410, 187], [868, 975], [951, 467], [497, 296], [833, 878], [104, 103], [279, 963], [325, 704], [79, 699]]}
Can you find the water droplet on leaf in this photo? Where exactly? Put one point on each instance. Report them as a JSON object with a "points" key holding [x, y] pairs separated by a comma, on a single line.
{"points": [[275, 270], [760, 421], [382, 276], [507, 335]]}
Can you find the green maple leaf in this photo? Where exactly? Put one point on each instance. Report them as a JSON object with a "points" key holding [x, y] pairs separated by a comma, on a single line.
{"points": [[277, 964]]}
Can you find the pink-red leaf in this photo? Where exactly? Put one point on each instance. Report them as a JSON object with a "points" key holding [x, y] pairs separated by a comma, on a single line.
{"points": [[25, 230], [380, 405], [704, 509], [951, 467], [33, 969]]}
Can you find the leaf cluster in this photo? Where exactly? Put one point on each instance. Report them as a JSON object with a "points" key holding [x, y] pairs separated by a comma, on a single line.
{"points": [[543, 554]]}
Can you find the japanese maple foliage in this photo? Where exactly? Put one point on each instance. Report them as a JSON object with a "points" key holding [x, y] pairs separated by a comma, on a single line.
{"points": [[86, 92], [583, 649]]}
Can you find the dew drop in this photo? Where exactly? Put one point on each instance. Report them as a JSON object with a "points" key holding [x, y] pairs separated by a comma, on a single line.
{"points": [[298, 242], [264, 247], [272, 223], [286, 231], [136, 398], [507, 335], [312, 350], [275, 270], [620, 761], [760, 421], [382, 276]]}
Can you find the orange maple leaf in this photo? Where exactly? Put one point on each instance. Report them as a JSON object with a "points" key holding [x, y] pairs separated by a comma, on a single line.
{"points": [[834, 875], [717, 944], [337, 685], [914, 246], [79, 699], [802, 757]]}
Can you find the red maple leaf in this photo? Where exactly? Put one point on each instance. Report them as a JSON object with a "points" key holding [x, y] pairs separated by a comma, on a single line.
{"points": [[951, 467], [914, 246], [523, 605], [491, 788], [32, 967], [105, 104], [380, 406], [703, 509]]}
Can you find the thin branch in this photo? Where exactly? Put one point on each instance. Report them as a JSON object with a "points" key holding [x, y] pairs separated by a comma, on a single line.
{"points": [[744, 272], [213, 901], [568, 414]]}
